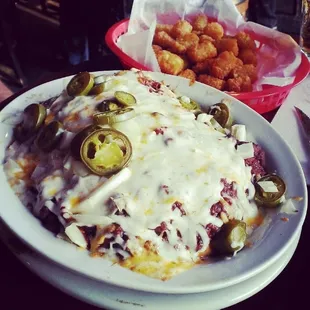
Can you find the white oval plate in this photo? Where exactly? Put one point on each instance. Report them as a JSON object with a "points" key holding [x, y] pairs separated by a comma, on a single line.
{"points": [[273, 240]]}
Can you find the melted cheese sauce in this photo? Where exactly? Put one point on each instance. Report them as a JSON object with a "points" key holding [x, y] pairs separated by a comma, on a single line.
{"points": [[163, 198]]}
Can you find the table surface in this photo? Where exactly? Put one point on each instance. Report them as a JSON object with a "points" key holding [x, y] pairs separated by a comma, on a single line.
{"points": [[22, 289]]}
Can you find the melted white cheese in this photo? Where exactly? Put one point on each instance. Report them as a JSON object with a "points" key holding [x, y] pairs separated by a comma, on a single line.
{"points": [[175, 159]]}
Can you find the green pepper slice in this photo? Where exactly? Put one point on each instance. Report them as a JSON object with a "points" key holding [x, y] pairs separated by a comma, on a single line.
{"points": [[80, 84], [270, 199], [112, 117], [106, 151], [96, 90], [217, 126], [221, 114], [78, 139], [125, 98], [33, 118], [108, 105], [189, 104], [230, 239], [50, 136]]}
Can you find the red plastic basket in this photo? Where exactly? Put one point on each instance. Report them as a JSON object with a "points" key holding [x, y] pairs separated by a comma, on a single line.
{"points": [[262, 101]]}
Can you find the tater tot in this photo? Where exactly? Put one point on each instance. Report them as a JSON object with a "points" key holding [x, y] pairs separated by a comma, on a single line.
{"points": [[200, 22], [203, 67], [163, 27], [251, 71], [189, 74], [248, 57], [239, 62], [156, 48], [214, 30], [186, 61], [236, 72], [180, 28], [246, 84], [170, 63], [204, 38], [211, 81], [199, 33], [164, 40], [223, 64], [226, 44], [234, 85], [201, 52], [245, 70], [245, 41], [188, 40], [239, 84]]}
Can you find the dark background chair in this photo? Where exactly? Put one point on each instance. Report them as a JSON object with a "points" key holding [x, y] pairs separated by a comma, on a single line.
{"points": [[289, 16]]}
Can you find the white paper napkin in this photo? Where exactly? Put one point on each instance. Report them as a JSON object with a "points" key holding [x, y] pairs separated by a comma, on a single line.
{"points": [[286, 123]]}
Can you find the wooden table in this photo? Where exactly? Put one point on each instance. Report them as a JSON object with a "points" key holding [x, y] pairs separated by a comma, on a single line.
{"points": [[21, 289]]}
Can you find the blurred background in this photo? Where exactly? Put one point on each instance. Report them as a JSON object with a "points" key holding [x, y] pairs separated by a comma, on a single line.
{"points": [[38, 36]]}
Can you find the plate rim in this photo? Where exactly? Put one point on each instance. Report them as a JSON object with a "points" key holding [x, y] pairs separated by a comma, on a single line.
{"points": [[170, 290]]}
